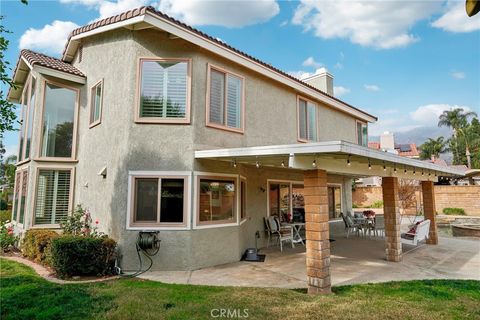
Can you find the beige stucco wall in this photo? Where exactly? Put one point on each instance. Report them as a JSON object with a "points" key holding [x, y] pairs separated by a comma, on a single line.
{"points": [[121, 145]]}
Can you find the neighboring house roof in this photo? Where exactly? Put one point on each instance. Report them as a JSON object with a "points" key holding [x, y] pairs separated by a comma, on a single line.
{"points": [[374, 145], [35, 58], [407, 150], [131, 14]]}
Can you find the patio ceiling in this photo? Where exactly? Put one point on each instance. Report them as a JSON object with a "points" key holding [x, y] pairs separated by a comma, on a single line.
{"points": [[339, 157]]}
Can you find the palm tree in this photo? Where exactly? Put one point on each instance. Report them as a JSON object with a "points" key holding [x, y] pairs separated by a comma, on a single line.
{"points": [[433, 147], [457, 119]]}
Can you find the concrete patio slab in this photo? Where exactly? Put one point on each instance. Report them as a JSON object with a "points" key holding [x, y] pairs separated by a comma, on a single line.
{"points": [[354, 260]]}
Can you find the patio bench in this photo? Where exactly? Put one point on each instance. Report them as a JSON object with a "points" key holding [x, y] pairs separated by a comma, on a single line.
{"points": [[416, 234]]}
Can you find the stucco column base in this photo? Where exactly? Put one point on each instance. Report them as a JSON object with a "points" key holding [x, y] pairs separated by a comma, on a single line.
{"points": [[429, 210], [317, 231], [391, 209]]}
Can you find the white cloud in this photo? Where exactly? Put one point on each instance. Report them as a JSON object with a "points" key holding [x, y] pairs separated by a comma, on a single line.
{"points": [[284, 23], [234, 13], [371, 87], [301, 74], [50, 39], [108, 9], [458, 75], [378, 24], [338, 65], [428, 114], [425, 117], [340, 91], [310, 62], [456, 20]]}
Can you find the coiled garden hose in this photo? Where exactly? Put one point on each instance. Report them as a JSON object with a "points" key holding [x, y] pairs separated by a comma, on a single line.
{"points": [[149, 244]]}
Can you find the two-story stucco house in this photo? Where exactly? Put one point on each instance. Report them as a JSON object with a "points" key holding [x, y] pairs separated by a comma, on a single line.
{"points": [[153, 125]]}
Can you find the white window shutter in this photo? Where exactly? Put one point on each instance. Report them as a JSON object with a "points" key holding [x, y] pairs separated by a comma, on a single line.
{"points": [[217, 97]]}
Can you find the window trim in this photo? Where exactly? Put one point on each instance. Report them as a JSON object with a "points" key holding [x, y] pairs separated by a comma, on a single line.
{"points": [[242, 206], [216, 224], [225, 127], [356, 132], [75, 124], [290, 183], [53, 167], [300, 139], [143, 120], [132, 175], [92, 104]]}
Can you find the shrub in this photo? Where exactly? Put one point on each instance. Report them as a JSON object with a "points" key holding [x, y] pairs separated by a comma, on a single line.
{"points": [[454, 211], [5, 216], [79, 223], [7, 238], [377, 204], [3, 204], [81, 256], [354, 206], [36, 244]]}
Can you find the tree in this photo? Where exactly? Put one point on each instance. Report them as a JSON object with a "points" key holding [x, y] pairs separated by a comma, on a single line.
{"points": [[407, 194], [7, 109], [457, 119], [433, 147]]}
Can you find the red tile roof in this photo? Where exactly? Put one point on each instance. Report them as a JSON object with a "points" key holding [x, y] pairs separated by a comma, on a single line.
{"points": [[412, 152], [143, 10], [374, 145], [35, 58]]}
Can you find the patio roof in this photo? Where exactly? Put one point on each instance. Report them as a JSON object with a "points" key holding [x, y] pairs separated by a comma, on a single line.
{"points": [[333, 156]]}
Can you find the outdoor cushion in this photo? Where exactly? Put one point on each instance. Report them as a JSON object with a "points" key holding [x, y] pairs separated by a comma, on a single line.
{"points": [[407, 236]]}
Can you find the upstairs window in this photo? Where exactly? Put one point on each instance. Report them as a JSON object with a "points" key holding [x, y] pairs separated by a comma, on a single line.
{"points": [[96, 104], [53, 196], [362, 134], [59, 117], [27, 114], [307, 120], [225, 100], [164, 90]]}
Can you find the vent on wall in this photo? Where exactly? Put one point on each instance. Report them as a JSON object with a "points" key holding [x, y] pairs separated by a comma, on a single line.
{"points": [[80, 53]]}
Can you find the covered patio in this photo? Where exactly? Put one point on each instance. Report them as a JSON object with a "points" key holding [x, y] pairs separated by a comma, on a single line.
{"points": [[352, 261], [316, 160]]}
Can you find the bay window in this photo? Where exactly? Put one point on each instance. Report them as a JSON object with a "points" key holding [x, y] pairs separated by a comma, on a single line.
{"points": [[158, 201], [225, 100], [20, 195], [216, 200], [53, 196], [27, 115], [164, 91], [58, 125], [307, 120]]}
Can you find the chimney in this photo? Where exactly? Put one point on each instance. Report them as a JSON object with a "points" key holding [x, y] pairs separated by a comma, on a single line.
{"points": [[321, 80], [387, 141]]}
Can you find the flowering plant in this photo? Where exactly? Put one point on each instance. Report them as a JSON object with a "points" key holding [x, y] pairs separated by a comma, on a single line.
{"points": [[7, 237], [79, 223], [369, 213]]}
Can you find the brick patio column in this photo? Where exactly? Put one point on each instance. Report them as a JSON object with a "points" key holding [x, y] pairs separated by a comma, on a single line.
{"points": [[317, 231], [429, 210], [391, 209]]}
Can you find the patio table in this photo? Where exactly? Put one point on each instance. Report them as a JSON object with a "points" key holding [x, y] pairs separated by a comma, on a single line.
{"points": [[297, 227]]}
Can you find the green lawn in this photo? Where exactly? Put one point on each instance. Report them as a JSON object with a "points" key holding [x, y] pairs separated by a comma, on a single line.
{"points": [[24, 295]]}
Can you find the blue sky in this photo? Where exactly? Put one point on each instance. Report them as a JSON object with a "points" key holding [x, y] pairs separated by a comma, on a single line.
{"points": [[403, 61]]}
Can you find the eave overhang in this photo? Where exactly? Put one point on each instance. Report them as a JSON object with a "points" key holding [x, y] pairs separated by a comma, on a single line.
{"points": [[338, 157]]}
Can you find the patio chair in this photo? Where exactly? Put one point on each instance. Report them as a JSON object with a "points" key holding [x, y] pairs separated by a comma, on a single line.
{"points": [[416, 234], [379, 226], [350, 224], [275, 229]]}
